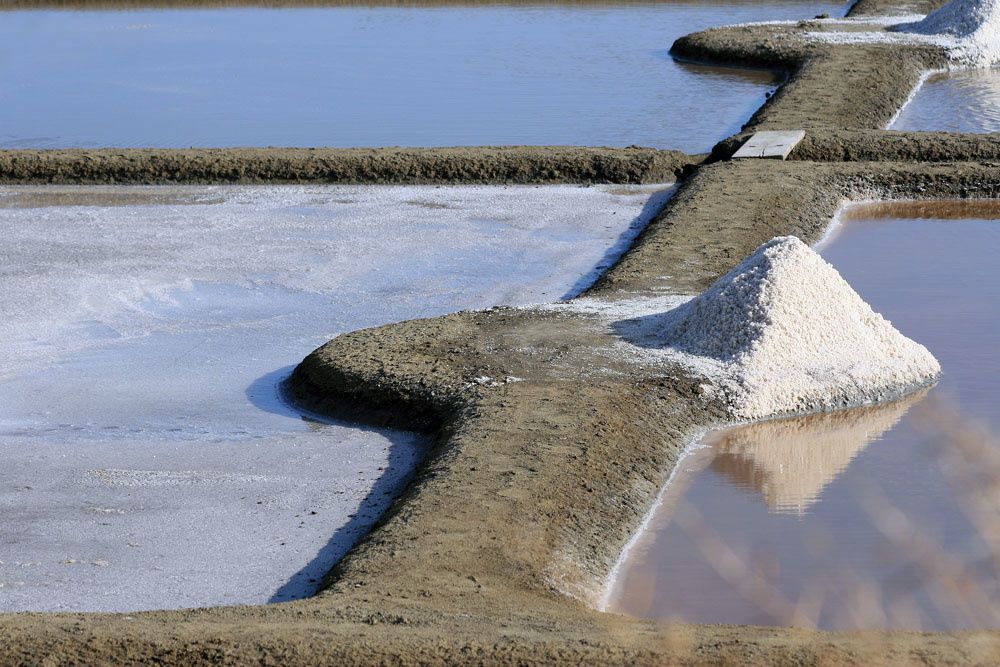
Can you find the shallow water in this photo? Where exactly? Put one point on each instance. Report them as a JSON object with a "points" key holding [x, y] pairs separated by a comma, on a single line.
{"points": [[376, 76], [149, 460], [876, 517], [959, 101]]}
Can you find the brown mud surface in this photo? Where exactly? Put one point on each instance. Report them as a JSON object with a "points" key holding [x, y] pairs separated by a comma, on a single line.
{"points": [[843, 87], [475, 164], [547, 450]]}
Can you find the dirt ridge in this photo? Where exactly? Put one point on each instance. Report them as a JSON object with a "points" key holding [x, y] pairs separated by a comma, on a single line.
{"points": [[482, 164]]}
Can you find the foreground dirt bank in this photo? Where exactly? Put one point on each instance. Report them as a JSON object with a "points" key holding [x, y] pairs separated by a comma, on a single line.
{"points": [[484, 164]]}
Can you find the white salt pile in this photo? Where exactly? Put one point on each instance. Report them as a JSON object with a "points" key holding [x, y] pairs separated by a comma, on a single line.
{"points": [[969, 30], [783, 333], [973, 25]]}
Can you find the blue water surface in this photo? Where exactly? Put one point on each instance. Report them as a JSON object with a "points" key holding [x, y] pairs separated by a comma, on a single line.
{"points": [[362, 76]]}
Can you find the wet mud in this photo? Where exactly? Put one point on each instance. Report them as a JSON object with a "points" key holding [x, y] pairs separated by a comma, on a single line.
{"points": [[546, 453]]}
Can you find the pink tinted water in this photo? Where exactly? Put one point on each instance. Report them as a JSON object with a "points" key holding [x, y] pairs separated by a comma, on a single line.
{"points": [[885, 516]]}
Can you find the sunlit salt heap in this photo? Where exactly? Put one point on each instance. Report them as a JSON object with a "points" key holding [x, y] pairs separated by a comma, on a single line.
{"points": [[784, 333], [974, 25]]}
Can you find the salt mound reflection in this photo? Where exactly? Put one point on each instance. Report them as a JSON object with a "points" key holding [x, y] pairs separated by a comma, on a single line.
{"points": [[790, 461]]}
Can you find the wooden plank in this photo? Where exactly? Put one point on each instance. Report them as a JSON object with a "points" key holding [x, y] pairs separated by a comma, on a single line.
{"points": [[770, 144]]}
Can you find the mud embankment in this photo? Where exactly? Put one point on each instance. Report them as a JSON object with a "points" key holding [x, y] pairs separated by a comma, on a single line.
{"points": [[894, 7], [860, 87], [487, 165]]}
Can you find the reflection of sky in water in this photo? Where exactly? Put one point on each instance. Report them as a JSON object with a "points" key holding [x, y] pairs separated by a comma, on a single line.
{"points": [[959, 101], [350, 76], [775, 522]]}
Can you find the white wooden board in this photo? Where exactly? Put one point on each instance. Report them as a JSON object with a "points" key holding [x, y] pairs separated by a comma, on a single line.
{"points": [[775, 145]]}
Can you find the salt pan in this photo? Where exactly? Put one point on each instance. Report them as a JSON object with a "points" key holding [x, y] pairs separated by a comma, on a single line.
{"points": [[146, 333]]}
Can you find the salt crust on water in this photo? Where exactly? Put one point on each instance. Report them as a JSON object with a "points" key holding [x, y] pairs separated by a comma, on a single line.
{"points": [[781, 333]]}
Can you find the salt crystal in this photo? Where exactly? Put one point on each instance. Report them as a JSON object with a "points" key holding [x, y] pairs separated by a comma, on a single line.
{"points": [[784, 333], [975, 25], [969, 30]]}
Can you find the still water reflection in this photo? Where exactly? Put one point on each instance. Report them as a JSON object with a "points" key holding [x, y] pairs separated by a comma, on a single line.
{"points": [[883, 516], [580, 74], [789, 462], [959, 101]]}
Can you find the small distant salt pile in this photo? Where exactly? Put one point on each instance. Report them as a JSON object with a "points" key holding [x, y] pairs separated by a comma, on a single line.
{"points": [[784, 333], [973, 25]]}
